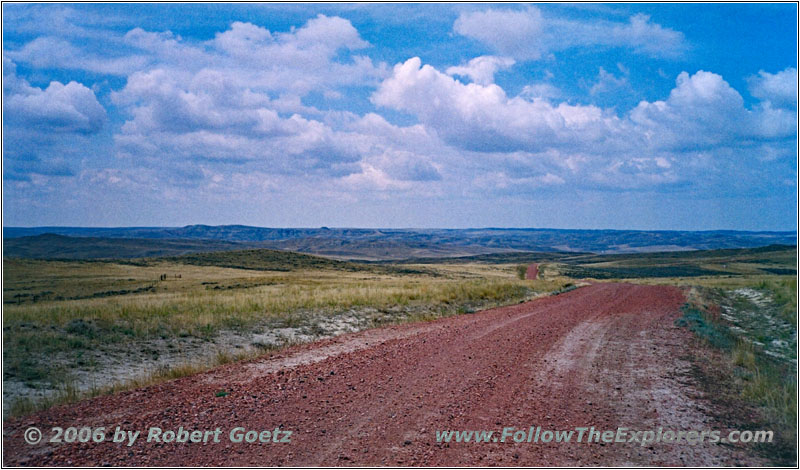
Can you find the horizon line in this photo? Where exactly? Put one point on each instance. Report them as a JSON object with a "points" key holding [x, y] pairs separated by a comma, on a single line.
{"points": [[321, 227]]}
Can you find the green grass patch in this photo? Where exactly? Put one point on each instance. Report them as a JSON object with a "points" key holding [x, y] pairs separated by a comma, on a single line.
{"points": [[703, 325], [522, 271]]}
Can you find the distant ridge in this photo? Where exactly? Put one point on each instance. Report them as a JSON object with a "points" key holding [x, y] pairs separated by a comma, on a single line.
{"points": [[366, 244]]}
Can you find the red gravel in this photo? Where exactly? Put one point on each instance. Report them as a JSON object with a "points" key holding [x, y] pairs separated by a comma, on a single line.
{"points": [[606, 355], [532, 272]]}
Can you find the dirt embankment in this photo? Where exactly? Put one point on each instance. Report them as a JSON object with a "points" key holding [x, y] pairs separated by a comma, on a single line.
{"points": [[606, 355]]}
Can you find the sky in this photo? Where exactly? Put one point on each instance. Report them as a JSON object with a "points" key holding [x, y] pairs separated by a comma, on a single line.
{"points": [[613, 116]]}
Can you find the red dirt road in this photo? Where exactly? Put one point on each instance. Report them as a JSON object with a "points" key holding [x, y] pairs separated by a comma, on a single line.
{"points": [[532, 272], [605, 355]]}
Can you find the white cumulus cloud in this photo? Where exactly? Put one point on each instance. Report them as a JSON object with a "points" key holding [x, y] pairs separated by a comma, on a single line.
{"points": [[780, 89], [481, 69], [57, 108], [483, 118]]}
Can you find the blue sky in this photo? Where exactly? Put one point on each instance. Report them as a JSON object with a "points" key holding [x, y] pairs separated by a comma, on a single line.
{"points": [[625, 116]]}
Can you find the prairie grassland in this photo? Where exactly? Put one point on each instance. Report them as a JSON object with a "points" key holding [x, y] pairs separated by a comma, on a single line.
{"points": [[207, 298], [73, 327]]}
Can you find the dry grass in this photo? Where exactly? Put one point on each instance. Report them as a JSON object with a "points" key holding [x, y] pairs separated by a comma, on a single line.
{"points": [[181, 308], [211, 297]]}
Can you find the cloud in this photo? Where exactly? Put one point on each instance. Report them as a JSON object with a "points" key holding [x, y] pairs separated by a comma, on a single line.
{"points": [[301, 60], [44, 129], [529, 35], [237, 99], [779, 89], [243, 112], [704, 110], [407, 166], [545, 91], [168, 100], [318, 39], [58, 108], [643, 36], [483, 118], [206, 117], [243, 38], [481, 70], [331, 32], [504, 182], [608, 82], [701, 110], [395, 170], [515, 33], [165, 49], [525, 138], [23, 167], [51, 52], [317, 56], [634, 173]]}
